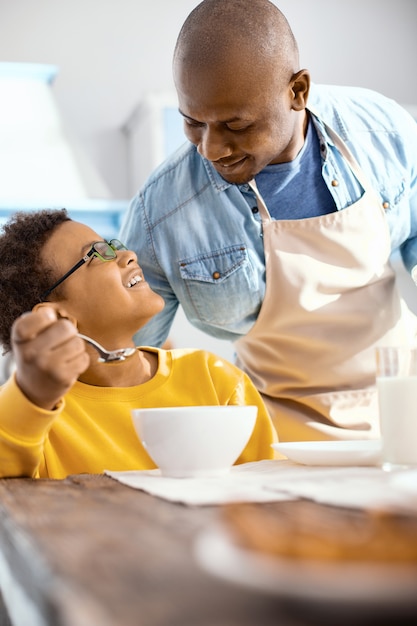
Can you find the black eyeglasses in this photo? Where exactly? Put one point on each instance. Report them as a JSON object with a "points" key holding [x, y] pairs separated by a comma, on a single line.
{"points": [[104, 250]]}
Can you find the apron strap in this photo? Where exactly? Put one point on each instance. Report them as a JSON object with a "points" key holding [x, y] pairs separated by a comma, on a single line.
{"points": [[263, 210], [346, 153]]}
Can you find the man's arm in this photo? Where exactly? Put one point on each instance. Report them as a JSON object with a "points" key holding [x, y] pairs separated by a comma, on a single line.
{"points": [[134, 233]]}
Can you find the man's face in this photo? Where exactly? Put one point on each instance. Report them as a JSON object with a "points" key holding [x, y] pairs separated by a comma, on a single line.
{"points": [[239, 123]]}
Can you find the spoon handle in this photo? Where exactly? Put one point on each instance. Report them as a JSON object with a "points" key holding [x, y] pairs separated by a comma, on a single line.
{"points": [[102, 351], [108, 356]]}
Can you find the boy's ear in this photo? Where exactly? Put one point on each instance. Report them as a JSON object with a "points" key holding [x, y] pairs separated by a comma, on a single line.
{"points": [[60, 312]]}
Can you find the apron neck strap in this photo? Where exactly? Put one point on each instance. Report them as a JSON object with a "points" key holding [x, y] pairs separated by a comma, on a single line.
{"points": [[260, 201], [346, 153]]}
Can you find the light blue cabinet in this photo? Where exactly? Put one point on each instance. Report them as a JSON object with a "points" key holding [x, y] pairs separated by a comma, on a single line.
{"points": [[39, 167], [103, 216]]}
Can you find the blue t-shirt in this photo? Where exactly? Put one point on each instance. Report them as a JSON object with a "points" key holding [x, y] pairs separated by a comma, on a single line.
{"points": [[284, 188]]}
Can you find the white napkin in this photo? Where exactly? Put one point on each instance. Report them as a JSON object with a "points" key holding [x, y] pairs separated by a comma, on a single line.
{"points": [[271, 481], [244, 483], [352, 487]]}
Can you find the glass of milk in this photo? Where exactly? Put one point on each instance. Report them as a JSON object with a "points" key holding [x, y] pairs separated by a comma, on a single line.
{"points": [[396, 379]]}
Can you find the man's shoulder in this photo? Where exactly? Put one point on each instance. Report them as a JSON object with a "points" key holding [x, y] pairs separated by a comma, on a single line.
{"points": [[184, 160], [179, 180], [328, 95], [353, 107]]}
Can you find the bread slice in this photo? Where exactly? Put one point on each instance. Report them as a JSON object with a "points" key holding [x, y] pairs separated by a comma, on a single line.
{"points": [[307, 530]]}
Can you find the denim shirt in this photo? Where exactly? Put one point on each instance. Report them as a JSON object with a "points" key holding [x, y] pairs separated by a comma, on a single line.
{"points": [[199, 238]]}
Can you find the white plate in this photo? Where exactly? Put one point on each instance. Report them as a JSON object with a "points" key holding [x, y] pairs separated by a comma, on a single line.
{"points": [[406, 481], [361, 585], [362, 452]]}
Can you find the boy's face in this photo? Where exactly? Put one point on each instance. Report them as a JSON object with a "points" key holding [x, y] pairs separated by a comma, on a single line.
{"points": [[103, 296]]}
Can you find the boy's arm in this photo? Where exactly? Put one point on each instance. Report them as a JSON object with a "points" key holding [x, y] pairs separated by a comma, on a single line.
{"points": [[23, 430]]}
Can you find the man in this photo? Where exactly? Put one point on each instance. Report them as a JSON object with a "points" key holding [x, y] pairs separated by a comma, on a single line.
{"points": [[273, 228]]}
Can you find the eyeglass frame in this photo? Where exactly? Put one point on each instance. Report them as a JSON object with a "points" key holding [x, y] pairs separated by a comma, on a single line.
{"points": [[113, 244]]}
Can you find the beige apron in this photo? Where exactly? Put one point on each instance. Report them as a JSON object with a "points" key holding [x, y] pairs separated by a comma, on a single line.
{"points": [[330, 297]]}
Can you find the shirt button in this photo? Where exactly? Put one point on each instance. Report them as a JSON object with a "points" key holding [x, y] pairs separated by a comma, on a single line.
{"points": [[335, 183], [216, 275], [255, 209], [385, 205]]}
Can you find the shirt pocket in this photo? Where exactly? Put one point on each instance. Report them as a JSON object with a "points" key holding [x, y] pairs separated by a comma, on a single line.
{"points": [[221, 285]]}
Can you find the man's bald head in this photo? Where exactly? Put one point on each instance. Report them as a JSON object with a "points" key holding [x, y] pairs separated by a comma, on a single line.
{"points": [[253, 31], [240, 89]]}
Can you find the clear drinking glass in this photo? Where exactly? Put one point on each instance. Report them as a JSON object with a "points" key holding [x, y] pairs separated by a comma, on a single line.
{"points": [[396, 379]]}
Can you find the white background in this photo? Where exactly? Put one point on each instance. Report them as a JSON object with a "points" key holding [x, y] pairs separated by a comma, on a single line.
{"points": [[112, 52]]}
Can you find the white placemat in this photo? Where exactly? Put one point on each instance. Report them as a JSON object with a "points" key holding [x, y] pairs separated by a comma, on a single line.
{"points": [[271, 481], [244, 483]]}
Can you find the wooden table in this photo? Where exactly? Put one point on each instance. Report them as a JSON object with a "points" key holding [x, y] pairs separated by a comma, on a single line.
{"points": [[88, 551]]}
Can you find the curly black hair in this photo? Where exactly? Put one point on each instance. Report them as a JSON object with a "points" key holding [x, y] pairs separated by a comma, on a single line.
{"points": [[23, 275]]}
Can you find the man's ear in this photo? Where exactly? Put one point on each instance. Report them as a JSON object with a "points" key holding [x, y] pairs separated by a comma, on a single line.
{"points": [[300, 87], [60, 312]]}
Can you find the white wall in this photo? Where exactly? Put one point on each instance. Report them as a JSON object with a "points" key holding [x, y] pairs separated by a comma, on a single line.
{"points": [[111, 52]]}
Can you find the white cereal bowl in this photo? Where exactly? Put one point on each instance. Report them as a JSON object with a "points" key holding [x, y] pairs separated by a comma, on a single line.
{"points": [[191, 441]]}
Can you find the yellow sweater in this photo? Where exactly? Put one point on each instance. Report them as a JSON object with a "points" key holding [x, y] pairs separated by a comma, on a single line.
{"points": [[92, 429]]}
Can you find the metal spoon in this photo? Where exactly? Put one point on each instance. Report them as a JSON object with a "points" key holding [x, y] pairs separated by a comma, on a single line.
{"points": [[108, 356]]}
